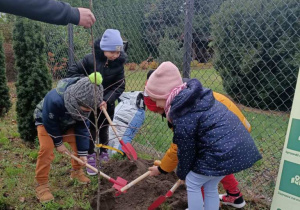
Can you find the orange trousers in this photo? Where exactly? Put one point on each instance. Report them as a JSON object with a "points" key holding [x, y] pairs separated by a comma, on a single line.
{"points": [[46, 154]]}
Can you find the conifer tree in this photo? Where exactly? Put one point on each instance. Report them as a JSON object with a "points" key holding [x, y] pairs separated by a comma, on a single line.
{"points": [[34, 80], [5, 103]]}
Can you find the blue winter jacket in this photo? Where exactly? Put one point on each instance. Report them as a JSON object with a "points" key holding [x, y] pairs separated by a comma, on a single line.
{"points": [[52, 113], [211, 140]]}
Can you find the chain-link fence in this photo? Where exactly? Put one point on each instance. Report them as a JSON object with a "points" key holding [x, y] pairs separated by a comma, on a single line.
{"points": [[246, 50]]}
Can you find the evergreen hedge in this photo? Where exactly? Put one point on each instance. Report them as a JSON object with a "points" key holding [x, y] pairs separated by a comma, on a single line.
{"points": [[5, 103], [256, 45], [34, 80]]}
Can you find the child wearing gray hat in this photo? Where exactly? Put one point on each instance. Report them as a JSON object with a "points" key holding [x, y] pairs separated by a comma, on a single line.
{"points": [[110, 59], [62, 116]]}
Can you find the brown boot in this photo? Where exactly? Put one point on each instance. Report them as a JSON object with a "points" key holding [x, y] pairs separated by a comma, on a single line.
{"points": [[80, 176], [43, 193]]}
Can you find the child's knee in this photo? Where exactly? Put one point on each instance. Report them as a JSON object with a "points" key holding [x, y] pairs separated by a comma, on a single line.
{"points": [[192, 182], [212, 185], [210, 188], [46, 155]]}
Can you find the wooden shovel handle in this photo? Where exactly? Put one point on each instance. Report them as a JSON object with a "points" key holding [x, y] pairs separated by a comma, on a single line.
{"points": [[175, 186], [80, 161], [110, 122], [89, 166], [135, 181]]}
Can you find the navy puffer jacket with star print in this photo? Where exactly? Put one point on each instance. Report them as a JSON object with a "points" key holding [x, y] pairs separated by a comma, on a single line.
{"points": [[211, 140]]}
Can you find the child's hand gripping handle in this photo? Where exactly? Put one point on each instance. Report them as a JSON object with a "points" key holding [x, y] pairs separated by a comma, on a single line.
{"points": [[135, 181]]}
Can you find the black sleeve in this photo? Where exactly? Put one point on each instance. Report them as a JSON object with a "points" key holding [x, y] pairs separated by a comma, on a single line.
{"points": [[49, 11], [116, 89], [161, 171], [79, 69]]}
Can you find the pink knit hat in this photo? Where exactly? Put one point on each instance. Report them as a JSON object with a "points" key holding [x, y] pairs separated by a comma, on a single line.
{"points": [[163, 80]]}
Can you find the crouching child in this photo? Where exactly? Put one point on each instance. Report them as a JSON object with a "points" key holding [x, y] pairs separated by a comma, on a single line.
{"points": [[62, 116], [211, 140]]}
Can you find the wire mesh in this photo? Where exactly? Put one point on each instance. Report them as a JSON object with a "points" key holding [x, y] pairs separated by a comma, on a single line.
{"points": [[246, 50]]}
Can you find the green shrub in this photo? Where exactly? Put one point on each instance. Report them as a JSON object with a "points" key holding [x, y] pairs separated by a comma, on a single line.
{"points": [[57, 47], [5, 102], [169, 15], [160, 16], [170, 50], [256, 45], [34, 80]]}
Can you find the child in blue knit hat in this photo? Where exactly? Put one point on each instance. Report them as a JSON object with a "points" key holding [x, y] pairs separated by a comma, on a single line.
{"points": [[110, 59]]}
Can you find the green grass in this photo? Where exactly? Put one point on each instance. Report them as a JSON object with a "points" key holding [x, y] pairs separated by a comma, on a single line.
{"points": [[135, 80], [18, 159]]}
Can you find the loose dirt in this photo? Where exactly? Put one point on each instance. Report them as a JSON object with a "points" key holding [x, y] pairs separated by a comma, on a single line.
{"points": [[141, 195]]}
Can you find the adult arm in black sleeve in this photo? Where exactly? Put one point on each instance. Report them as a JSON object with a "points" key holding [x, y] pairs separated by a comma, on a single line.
{"points": [[49, 11]]}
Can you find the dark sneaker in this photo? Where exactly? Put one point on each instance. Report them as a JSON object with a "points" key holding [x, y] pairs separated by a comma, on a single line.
{"points": [[104, 157], [91, 159], [236, 200]]}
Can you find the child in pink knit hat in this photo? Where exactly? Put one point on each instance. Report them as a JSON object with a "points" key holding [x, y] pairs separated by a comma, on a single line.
{"points": [[212, 142]]}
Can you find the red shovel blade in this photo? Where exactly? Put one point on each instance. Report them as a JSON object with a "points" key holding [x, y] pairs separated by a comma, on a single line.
{"points": [[119, 183], [129, 150], [157, 202]]}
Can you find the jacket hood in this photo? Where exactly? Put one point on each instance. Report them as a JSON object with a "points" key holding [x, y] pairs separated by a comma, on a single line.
{"points": [[194, 98], [101, 57], [63, 84]]}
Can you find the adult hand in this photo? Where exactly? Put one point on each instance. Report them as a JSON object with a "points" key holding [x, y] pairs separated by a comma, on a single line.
{"points": [[87, 18], [62, 149], [103, 105], [154, 171], [84, 160]]}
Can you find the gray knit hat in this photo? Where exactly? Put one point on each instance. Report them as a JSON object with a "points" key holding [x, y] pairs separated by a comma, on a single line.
{"points": [[82, 93], [111, 40]]}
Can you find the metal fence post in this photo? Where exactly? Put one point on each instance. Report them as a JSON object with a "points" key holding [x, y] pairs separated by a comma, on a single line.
{"points": [[188, 38], [71, 45]]}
